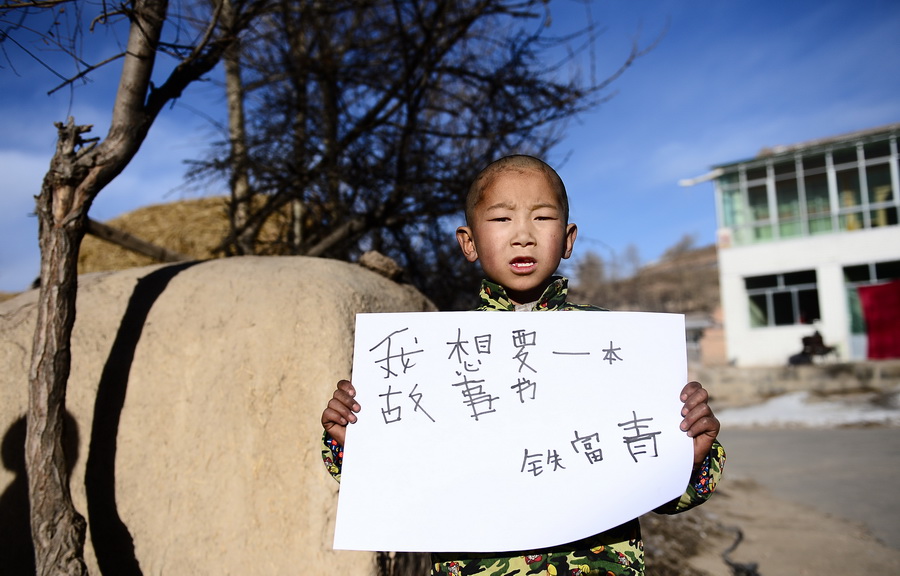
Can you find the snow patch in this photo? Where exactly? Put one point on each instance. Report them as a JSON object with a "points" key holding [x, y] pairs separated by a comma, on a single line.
{"points": [[803, 410]]}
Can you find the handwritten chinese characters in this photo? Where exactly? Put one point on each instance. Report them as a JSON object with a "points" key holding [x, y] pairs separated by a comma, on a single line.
{"points": [[637, 446], [392, 354], [471, 413]]}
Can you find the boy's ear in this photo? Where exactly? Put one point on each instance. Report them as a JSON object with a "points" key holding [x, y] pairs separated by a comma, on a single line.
{"points": [[466, 243], [571, 233]]}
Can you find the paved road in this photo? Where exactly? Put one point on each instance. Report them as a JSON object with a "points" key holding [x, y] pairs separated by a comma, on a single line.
{"points": [[848, 473]]}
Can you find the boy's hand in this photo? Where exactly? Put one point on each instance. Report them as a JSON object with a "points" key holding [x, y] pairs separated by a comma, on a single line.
{"points": [[340, 411], [699, 421]]}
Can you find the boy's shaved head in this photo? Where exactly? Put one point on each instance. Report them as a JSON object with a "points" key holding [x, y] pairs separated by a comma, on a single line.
{"points": [[516, 163]]}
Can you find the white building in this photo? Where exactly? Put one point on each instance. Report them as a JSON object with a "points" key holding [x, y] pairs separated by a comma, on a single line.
{"points": [[800, 227]]}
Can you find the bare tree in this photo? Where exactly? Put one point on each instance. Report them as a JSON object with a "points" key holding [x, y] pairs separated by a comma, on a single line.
{"points": [[372, 116], [80, 168]]}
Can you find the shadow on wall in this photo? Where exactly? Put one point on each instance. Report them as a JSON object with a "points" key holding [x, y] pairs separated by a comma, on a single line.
{"points": [[112, 541], [16, 549]]}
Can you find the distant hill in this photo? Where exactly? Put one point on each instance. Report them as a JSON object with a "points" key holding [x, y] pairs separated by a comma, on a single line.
{"points": [[684, 282]]}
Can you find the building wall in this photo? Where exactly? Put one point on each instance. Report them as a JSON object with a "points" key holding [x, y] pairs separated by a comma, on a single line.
{"points": [[712, 344], [827, 254]]}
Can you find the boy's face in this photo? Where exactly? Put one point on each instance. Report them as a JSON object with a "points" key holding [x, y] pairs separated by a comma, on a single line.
{"points": [[518, 233]]}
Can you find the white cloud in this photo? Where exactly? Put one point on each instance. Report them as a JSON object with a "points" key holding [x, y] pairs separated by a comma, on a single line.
{"points": [[153, 177], [19, 251]]}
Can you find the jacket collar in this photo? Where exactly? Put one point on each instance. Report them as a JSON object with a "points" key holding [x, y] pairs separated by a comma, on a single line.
{"points": [[493, 296]]}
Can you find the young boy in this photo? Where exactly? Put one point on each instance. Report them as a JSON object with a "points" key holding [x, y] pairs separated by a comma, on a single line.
{"points": [[517, 216]]}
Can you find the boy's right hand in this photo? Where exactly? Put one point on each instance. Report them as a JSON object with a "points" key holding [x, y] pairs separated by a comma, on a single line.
{"points": [[340, 411]]}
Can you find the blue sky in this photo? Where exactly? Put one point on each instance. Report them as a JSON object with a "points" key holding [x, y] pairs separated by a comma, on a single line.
{"points": [[727, 78]]}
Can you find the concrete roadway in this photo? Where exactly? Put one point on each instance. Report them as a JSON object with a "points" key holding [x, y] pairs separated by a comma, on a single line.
{"points": [[852, 473]]}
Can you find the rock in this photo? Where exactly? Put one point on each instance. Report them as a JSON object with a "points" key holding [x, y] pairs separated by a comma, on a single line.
{"points": [[195, 395], [378, 262]]}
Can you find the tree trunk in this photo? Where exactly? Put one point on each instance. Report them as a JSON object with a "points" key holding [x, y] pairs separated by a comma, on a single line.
{"points": [[57, 529], [241, 194], [78, 171], [298, 18], [133, 243]]}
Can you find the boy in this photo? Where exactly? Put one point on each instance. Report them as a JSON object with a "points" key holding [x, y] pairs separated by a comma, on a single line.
{"points": [[517, 226]]}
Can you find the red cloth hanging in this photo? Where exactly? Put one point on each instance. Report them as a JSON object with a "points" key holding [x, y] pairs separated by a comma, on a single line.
{"points": [[881, 309]]}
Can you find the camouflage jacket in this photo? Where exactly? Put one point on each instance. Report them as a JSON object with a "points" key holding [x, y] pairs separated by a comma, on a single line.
{"points": [[616, 552]]}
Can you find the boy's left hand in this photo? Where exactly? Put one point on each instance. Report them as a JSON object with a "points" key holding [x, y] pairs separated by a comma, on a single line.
{"points": [[699, 421]]}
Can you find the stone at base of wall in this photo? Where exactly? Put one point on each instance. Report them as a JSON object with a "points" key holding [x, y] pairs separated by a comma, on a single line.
{"points": [[730, 386]]}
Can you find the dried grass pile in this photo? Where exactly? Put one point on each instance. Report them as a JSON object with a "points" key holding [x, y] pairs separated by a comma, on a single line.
{"points": [[194, 227]]}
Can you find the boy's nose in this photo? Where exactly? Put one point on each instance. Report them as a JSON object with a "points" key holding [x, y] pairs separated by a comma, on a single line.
{"points": [[523, 235]]}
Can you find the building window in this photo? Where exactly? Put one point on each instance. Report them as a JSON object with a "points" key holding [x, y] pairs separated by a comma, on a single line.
{"points": [[850, 197], [882, 198], [788, 197], [783, 299], [817, 204], [845, 187], [758, 199]]}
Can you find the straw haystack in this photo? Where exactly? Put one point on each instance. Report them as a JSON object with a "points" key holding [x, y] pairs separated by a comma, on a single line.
{"points": [[193, 227]]}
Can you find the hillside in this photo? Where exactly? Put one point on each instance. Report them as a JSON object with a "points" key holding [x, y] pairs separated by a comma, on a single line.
{"points": [[686, 282]]}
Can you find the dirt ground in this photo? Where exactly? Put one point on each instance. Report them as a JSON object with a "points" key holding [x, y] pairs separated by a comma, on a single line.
{"points": [[777, 537]]}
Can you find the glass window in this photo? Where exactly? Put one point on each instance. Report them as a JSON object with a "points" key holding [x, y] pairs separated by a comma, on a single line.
{"points": [[785, 168], [814, 162], [808, 304], [759, 311], [850, 198], [732, 208], [878, 179], [758, 198], [887, 270], [729, 180], [759, 202], [848, 187], [883, 217], [788, 198], [877, 149], [782, 308], [825, 192], [843, 156], [756, 282], [818, 207], [858, 273], [783, 299], [756, 173], [857, 320], [762, 232], [797, 278]]}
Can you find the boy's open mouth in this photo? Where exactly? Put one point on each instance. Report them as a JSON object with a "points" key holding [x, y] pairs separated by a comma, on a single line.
{"points": [[522, 264]]}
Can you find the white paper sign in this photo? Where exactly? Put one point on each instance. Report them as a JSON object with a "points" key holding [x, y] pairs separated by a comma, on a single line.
{"points": [[487, 431]]}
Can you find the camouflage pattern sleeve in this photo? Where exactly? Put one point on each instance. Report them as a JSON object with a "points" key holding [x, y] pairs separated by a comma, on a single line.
{"points": [[332, 455], [703, 482], [616, 552]]}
